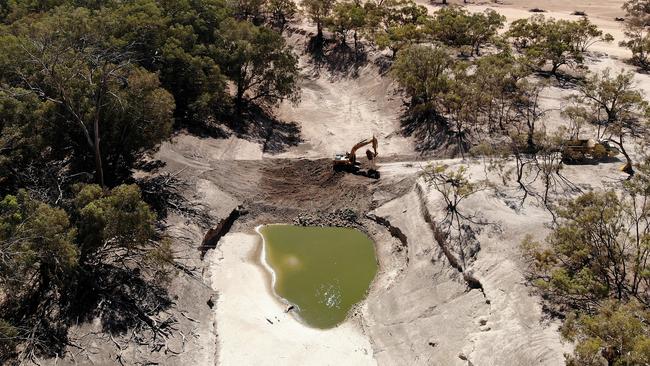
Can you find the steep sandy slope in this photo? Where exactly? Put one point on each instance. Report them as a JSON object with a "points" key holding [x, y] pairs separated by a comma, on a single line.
{"points": [[422, 318], [342, 103], [428, 315]]}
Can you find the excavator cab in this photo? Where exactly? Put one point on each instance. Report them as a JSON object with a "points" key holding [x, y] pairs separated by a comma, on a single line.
{"points": [[348, 161]]}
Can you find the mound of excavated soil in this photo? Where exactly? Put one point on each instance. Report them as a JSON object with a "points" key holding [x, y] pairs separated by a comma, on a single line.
{"points": [[306, 185], [313, 184]]}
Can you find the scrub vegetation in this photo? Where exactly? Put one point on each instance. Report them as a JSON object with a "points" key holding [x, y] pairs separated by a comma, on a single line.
{"points": [[85, 89], [595, 266]]}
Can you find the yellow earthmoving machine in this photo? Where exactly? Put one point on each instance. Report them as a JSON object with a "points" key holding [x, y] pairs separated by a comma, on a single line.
{"points": [[587, 151], [348, 161]]}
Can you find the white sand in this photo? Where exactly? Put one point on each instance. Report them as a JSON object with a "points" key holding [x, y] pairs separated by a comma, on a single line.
{"points": [[195, 150], [337, 111], [246, 305]]}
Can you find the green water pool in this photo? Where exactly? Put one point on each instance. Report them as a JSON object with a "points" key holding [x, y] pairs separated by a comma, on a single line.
{"points": [[322, 271]]}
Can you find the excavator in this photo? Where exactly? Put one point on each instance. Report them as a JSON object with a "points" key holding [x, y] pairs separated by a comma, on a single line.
{"points": [[348, 161], [587, 151]]}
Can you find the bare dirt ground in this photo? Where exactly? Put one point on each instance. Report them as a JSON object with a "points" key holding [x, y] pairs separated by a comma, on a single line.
{"points": [[594, 8], [420, 309], [342, 102]]}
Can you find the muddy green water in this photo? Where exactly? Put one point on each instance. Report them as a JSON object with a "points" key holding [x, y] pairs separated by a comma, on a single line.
{"points": [[322, 271]]}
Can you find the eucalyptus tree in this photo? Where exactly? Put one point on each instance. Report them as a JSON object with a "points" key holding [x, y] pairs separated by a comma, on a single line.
{"points": [[455, 26], [347, 17], [615, 106], [637, 31], [395, 24], [259, 62], [318, 11], [102, 97], [424, 73], [281, 12], [555, 42]]}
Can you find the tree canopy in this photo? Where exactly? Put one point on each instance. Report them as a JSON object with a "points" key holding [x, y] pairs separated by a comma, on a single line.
{"points": [[260, 64], [457, 27], [54, 255], [87, 88], [318, 11], [423, 71], [637, 20], [617, 334], [395, 24], [596, 265], [554, 42]]}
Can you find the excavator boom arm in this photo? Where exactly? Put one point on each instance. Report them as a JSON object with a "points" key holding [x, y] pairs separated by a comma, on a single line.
{"points": [[363, 143]]}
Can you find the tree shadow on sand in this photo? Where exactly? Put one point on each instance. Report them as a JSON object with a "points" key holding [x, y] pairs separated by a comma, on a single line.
{"points": [[336, 58], [122, 299], [257, 123], [125, 303], [429, 128], [250, 122], [384, 63], [564, 81]]}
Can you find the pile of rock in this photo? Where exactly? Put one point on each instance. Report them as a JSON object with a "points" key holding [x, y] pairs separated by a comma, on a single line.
{"points": [[340, 218]]}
